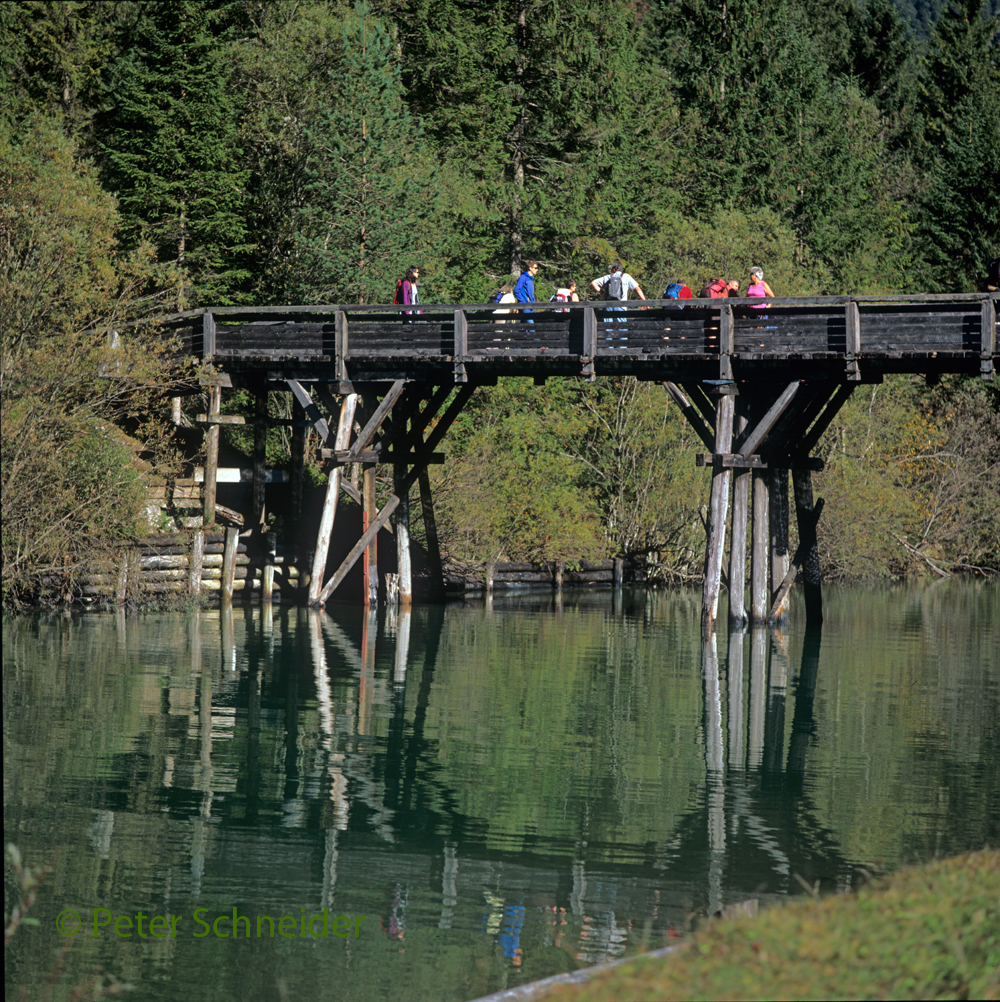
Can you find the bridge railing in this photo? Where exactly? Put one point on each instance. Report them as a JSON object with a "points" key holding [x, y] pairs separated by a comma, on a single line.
{"points": [[851, 328]]}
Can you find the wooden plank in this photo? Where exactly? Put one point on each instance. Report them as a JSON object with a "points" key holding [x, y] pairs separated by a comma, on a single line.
{"points": [[461, 346], [216, 379], [220, 419], [768, 421], [341, 344]]}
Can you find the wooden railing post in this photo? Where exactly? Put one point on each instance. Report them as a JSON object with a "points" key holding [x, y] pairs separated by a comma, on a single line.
{"points": [[461, 348], [727, 340], [340, 343], [589, 343], [988, 338], [852, 318]]}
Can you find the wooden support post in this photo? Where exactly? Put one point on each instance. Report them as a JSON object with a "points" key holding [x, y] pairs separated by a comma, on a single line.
{"points": [[806, 519], [852, 319], [738, 541], [267, 578], [461, 348], [490, 571], [430, 531], [259, 455], [558, 571], [207, 335], [718, 510], [402, 519], [229, 565], [194, 567], [778, 511], [369, 573], [988, 338], [759, 555], [325, 533], [589, 344], [299, 433], [212, 454], [340, 343], [618, 573]]}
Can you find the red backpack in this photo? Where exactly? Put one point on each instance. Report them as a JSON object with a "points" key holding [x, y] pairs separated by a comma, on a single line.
{"points": [[714, 290]]}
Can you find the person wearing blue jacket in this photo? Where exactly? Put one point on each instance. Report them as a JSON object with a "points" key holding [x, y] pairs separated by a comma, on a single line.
{"points": [[524, 291]]}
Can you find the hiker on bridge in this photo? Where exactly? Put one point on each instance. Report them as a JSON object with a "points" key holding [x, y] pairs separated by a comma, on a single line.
{"points": [[616, 285], [758, 287], [524, 290], [407, 291], [719, 288]]}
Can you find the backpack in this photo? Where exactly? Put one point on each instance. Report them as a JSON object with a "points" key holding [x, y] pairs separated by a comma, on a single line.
{"points": [[397, 300], [613, 286], [714, 290], [673, 291]]}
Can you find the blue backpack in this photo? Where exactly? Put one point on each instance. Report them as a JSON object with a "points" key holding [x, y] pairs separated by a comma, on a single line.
{"points": [[673, 291]]}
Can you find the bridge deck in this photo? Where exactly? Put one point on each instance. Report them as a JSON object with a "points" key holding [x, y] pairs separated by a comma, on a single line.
{"points": [[859, 338]]}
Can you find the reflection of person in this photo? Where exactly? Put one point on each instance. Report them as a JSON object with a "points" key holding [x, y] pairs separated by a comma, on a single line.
{"points": [[758, 287]]}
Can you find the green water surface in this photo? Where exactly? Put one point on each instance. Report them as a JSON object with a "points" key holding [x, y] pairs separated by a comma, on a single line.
{"points": [[481, 795]]}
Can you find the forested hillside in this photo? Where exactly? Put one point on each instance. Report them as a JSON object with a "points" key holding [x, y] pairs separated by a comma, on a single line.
{"points": [[239, 151]]}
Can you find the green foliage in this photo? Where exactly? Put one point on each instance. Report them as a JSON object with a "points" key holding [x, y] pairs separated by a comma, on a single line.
{"points": [[169, 151], [924, 933], [71, 479]]}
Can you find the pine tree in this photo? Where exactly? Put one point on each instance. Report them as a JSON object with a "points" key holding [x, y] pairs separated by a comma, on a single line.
{"points": [[369, 179], [169, 147], [959, 147]]}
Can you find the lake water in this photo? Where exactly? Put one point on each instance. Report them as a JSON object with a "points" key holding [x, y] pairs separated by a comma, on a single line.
{"points": [[471, 797]]}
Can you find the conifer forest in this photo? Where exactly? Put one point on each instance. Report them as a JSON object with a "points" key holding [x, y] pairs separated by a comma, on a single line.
{"points": [[158, 157]]}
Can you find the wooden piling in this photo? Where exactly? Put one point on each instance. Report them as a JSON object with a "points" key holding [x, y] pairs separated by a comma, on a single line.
{"points": [[430, 531], [619, 572], [195, 563], [402, 520], [212, 454], [738, 541], [370, 559], [329, 514], [298, 471], [718, 510], [259, 455], [229, 565], [267, 578], [759, 552], [778, 512], [805, 516], [558, 571]]}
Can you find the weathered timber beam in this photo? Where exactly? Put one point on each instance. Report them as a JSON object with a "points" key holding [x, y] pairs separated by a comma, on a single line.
{"points": [[371, 428], [717, 513], [359, 547], [734, 461], [312, 411], [692, 415], [768, 421], [796, 418], [220, 419], [700, 399], [815, 433], [988, 336], [216, 379]]}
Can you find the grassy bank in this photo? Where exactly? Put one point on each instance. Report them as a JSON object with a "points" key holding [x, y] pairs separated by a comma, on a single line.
{"points": [[924, 933]]}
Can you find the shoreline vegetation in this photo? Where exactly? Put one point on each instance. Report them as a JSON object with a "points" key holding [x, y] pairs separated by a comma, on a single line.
{"points": [[924, 932], [138, 180]]}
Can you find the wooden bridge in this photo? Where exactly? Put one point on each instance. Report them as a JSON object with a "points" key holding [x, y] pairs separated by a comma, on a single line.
{"points": [[759, 384]]}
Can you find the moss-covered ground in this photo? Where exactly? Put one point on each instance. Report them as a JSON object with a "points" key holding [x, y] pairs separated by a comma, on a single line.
{"points": [[925, 933]]}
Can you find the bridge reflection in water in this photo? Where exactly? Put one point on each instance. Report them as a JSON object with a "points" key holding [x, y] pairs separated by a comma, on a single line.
{"points": [[506, 790]]}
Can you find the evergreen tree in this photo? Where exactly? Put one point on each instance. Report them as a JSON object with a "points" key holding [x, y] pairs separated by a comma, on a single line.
{"points": [[959, 147], [370, 183], [169, 147]]}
